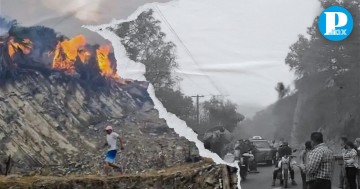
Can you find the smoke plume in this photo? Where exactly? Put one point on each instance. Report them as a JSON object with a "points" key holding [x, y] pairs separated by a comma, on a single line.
{"points": [[85, 10]]}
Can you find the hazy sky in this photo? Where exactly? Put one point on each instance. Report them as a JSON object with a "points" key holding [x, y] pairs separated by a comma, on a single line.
{"points": [[239, 46], [67, 16]]}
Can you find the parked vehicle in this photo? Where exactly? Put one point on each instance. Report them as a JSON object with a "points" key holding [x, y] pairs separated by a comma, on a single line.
{"points": [[256, 138], [264, 153]]}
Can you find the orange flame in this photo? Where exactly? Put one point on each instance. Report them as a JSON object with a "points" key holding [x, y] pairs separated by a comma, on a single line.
{"points": [[66, 53], [13, 46], [84, 55], [104, 62]]}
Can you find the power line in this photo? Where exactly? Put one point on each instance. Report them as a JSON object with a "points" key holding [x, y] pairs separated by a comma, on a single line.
{"points": [[184, 46], [186, 49], [195, 83]]}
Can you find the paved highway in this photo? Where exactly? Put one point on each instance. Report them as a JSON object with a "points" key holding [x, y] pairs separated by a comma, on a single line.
{"points": [[263, 180]]}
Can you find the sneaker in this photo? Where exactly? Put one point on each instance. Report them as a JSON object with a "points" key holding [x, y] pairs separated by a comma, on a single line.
{"points": [[293, 183]]}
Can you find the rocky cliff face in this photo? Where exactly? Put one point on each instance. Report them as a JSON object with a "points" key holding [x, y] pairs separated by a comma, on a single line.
{"points": [[52, 125]]}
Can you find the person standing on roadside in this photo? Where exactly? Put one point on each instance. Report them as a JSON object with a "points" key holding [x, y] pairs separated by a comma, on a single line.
{"points": [[319, 167], [357, 144], [304, 159], [342, 178], [351, 164]]}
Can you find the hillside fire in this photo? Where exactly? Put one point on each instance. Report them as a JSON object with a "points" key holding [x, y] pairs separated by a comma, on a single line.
{"points": [[24, 48], [104, 62], [66, 53]]}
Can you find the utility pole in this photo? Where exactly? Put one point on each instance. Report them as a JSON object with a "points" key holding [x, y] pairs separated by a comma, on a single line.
{"points": [[192, 159], [197, 108]]}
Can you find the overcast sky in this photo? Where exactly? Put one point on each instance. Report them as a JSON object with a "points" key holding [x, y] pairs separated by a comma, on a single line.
{"points": [[239, 46], [67, 16]]}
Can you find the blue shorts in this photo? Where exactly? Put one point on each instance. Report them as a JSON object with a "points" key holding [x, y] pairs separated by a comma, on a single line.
{"points": [[110, 156]]}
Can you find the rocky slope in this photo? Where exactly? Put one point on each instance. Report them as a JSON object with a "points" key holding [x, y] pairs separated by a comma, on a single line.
{"points": [[52, 126]]}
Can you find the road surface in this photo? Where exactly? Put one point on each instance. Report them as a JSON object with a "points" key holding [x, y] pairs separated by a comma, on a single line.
{"points": [[263, 180]]}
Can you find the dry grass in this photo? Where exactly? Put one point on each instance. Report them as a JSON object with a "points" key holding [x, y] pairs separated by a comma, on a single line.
{"points": [[27, 182]]}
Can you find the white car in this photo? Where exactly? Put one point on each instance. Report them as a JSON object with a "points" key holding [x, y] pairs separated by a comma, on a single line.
{"points": [[257, 138]]}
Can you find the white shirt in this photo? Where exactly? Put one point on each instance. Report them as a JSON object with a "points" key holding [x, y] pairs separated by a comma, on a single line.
{"points": [[111, 140]]}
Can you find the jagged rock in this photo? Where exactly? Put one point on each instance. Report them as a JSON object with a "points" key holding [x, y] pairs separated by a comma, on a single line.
{"points": [[60, 124]]}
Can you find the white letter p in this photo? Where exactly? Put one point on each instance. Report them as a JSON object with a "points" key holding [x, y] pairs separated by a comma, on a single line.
{"points": [[330, 21]]}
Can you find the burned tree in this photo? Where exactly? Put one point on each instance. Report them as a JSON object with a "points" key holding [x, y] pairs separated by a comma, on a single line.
{"points": [[10, 45], [282, 90]]}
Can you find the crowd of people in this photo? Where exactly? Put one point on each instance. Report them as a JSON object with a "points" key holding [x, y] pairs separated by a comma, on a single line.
{"points": [[349, 163], [318, 161]]}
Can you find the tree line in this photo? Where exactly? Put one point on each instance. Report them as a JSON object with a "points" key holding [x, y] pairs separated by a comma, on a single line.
{"points": [[146, 43], [327, 87]]}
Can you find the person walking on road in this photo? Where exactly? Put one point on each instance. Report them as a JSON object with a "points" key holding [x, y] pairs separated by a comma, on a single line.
{"points": [[319, 167], [351, 164], [111, 141]]}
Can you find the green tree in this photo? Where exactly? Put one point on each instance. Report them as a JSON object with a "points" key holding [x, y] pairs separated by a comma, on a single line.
{"points": [[222, 113], [145, 43], [328, 79], [178, 104]]}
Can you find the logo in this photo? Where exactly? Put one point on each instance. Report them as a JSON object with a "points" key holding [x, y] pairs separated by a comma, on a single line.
{"points": [[335, 23]]}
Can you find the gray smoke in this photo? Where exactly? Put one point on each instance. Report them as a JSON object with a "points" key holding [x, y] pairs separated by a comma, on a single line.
{"points": [[5, 25]]}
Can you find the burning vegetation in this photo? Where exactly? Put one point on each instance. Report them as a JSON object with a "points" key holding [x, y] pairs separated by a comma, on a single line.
{"points": [[102, 55], [42, 49], [25, 46], [66, 53]]}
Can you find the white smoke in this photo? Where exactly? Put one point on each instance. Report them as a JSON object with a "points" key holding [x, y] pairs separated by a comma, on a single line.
{"points": [[85, 10]]}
